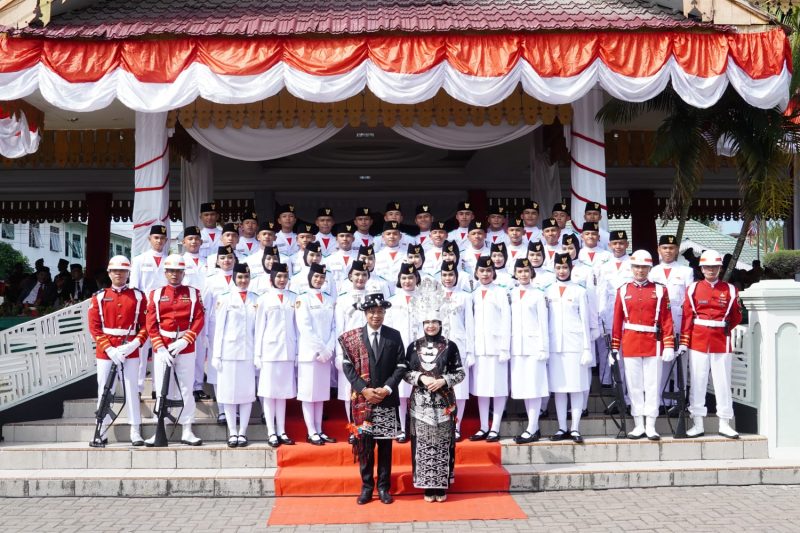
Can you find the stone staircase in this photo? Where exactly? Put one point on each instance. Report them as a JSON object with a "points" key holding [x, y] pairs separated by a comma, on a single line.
{"points": [[52, 458]]}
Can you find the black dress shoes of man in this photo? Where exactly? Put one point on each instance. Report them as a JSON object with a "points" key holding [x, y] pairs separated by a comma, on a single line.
{"points": [[364, 497], [385, 497]]}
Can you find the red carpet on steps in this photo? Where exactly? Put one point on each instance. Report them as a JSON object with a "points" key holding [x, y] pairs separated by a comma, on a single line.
{"points": [[329, 470]]}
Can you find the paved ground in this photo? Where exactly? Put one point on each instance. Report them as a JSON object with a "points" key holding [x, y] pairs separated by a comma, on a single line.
{"points": [[695, 509]]}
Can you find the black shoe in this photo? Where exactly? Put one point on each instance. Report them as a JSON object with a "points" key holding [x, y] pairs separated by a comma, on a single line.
{"points": [[232, 441], [385, 497], [364, 497], [98, 443], [315, 441], [221, 421], [584, 413], [402, 438], [492, 436], [273, 441], [200, 395], [153, 395], [560, 435], [351, 439], [576, 437], [326, 438], [263, 419], [479, 435], [284, 438], [524, 438]]}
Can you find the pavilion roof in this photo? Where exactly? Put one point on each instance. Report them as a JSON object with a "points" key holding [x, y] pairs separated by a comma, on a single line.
{"points": [[112, 19]]}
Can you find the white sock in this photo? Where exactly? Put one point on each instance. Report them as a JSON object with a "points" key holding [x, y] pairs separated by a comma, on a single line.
{"points": [[280, 416], [318, 406], [230, 418], [244, 417], [577, 401], [561, 410], [532, 407], [347, 409], [268, 405], [403, 412], [483, 412], [461, 405], [497, 414], [308, 417]]}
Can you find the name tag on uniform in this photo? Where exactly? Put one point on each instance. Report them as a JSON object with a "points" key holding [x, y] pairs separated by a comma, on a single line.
{"points": [[702, 301], [628, 297], [164, 299], [108, 299], [185, 299]]}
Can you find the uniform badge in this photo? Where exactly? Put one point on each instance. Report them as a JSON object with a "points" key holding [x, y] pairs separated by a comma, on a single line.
{"points": [[297, 304]]}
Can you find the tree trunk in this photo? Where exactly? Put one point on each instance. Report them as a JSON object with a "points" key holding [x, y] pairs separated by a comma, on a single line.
{"points": [[748, 219], [682, 221]]}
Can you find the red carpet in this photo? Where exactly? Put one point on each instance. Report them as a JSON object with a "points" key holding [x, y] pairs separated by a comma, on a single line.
{"points": [[291, 511], [329, 470]]}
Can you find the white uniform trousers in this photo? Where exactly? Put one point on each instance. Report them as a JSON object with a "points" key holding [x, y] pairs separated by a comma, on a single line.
{"points": [[199, 361], [184, 367], [720, 365], [669, 380], [643, 377], [144, 352], [130, 374]]}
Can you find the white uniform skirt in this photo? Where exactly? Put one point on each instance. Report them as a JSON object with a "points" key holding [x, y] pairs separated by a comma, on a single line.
{"points": [[565, 373], [528, 378], [343, 388], [489, 376], [313, 381], [404, 389], [462, 389], [236, 383], [277, 380]]}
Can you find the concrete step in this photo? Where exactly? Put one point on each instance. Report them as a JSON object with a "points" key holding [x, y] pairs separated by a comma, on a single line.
{"points": [[259, 482], [82, 429], [212, 455]]}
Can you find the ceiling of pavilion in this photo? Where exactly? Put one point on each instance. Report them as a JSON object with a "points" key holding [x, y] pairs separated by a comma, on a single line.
{"points": [[114, 19]]}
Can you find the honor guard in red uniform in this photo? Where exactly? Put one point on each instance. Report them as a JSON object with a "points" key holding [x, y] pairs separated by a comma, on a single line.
{"points": [[175, 318], [710, 312], [117, 324], [643, 333]]}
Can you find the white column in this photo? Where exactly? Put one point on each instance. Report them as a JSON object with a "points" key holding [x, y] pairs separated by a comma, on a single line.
{"points": [[151, 177], [774, 328], [197, 184], [588, 153]]}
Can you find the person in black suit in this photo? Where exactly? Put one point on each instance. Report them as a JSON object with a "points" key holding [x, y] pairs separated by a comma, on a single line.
{"points": [[81, 287], [374, 363]]}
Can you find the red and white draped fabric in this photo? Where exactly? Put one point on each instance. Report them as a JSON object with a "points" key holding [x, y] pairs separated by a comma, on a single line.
{"points": [[17, 137], [588, 155], [151, 177], [556, 68]]}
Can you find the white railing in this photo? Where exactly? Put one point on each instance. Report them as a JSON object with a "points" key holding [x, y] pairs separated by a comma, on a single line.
{"points": [[744, 378], [45, 354]]}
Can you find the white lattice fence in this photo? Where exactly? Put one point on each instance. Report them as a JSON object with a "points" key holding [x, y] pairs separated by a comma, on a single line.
{"points": [[44, 354], [744, 378]]}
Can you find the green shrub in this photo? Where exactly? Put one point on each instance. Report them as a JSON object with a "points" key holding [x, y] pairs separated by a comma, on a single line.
{"points": [[783, 264], [8, 258]]}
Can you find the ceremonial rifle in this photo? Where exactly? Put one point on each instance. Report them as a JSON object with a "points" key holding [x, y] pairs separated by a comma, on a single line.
{"points": [[107, 400], [619, 391], [162, 410], [679, 431]]}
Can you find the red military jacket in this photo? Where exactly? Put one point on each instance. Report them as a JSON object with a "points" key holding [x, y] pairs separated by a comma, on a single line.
{"points": [[116, 317], [717, 304], [635, 320], [172, 313]]}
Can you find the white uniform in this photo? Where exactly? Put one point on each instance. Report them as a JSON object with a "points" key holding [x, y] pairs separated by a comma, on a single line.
{"points": [[316, 336], [211, 260], [530, 343], [254, 261], [532, 233], [234, 333], [286, 243], [147, 274], [550, 254], [339, 264], [195, 276], [505, 280], [470, 256], [492, 315], [276, 344], [388, 261], [424, 239], [261, 284], [459, 236], [569, 337], [347, 318], [400, 317], [247, 246], [299, 282], [496, 237], [433, 260], [543, 279], [519, 251], [594, 257], [327, 243], [363, 239], [217, 283], [210, 238], [385, 287], [296, 261], [459, 327]]}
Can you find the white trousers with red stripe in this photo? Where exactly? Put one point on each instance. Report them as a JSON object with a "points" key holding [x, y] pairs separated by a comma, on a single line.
{"points": [[643, 377], [130, 373], [720, 366]]}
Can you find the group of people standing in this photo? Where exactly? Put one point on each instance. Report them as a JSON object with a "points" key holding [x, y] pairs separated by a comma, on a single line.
{"points": [[510, 306]]}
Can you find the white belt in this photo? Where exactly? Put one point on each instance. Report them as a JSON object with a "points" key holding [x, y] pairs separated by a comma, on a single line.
{"points": [[710, 323], [118, 332], [638, 327], [168, 334]]}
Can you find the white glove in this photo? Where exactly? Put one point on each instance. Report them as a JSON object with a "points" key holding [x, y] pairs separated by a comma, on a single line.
{"points": [[216, 363], [586, 358], [129, 347], [324, 356], [541, 356], [338, 363], [164, 356], [256, 362], [668, 355], [505, 357], [178, 346], [470, 360], [612, 356], [115, 355]]}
